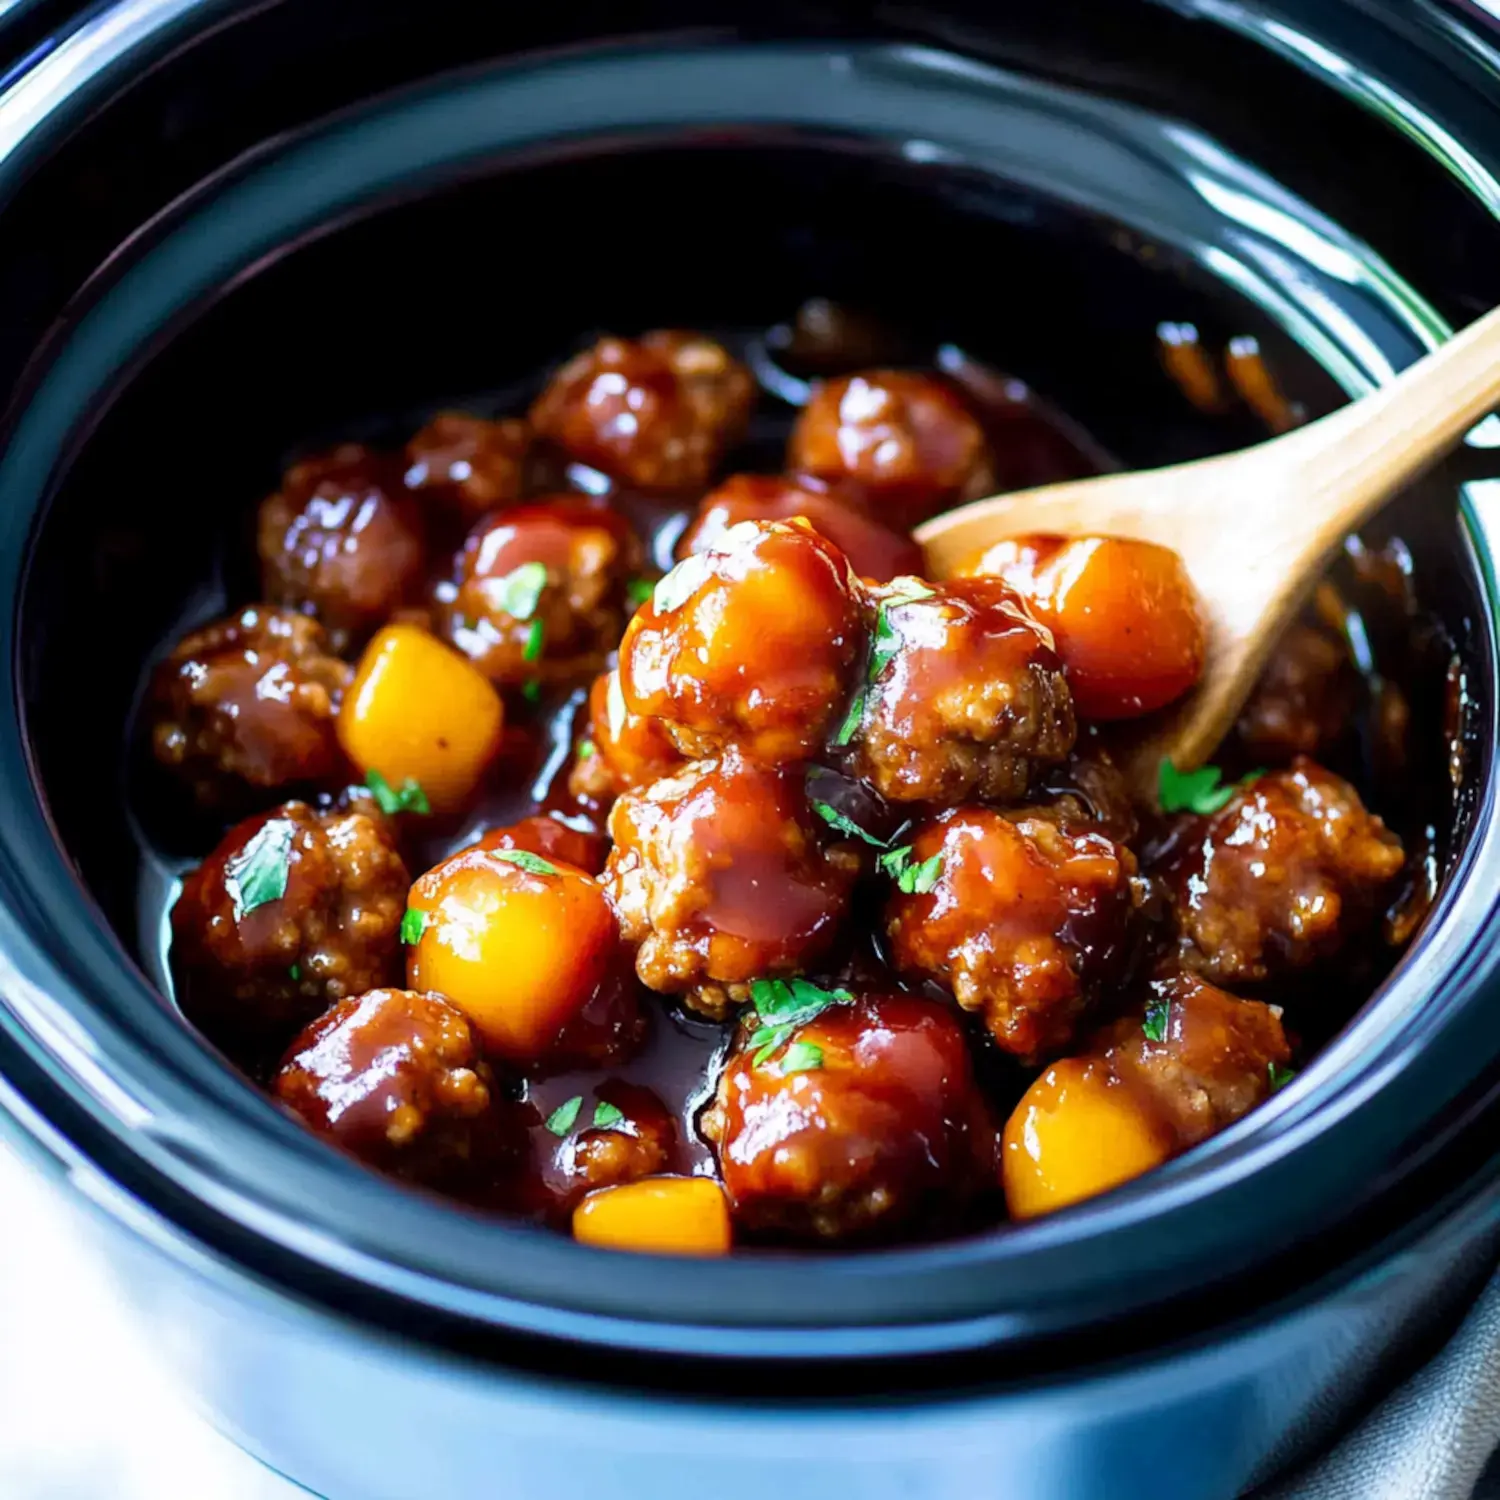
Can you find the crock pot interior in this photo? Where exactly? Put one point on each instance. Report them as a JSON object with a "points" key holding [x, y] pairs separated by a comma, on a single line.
{"points": [[461, 292]]}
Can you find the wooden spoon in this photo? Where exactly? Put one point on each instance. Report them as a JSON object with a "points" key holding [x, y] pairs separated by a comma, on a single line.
{"points": [[1256, 529]]}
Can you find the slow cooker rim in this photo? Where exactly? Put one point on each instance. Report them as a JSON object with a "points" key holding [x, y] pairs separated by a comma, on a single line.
{"points": [[1107, 1217]]}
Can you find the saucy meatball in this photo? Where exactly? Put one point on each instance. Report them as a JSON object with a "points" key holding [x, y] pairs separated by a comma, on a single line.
{"points": [[658, 412], [394, 1078], [1150, 1086], [297, 908], [1281, 877], [1305, 700], [619, 1132], [342, 540], [750, 643], [467, 465], [719, 876], [624, 749], [540, 591], [874, 550], [861, 1121], [964, 695], [1123, 615], [526, 947], [249, 703], [551, 840], [1024, 920], [907, 440]]}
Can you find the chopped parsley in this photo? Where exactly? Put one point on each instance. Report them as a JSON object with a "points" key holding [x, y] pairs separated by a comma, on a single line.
{"points": [[536, 638], [1154, 1024], [408, 797], [638, 591], [918, 880], [784, 1005], [587, 749], [614, 703], [532, 691], [1278, 1076], [257, 874], [413, 925], [913, 879], [852, 719], [606, 1115], [1202, 791], [563, 1118], [518, 593], [801, 1057], [295, 973], [845, 824], [533, 864], [677, 587], [883, 649]]}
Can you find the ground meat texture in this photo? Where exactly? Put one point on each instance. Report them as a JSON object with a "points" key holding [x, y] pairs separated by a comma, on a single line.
{"points": [[295, 909], [873, 549], [550, 839], [394, 1078], [967, 695], [342, 540], [907, 440], [1282, 877], [249, 705], [657, 413], [1305, 700], [1028, 923], [540, 590], [865, 1122], [721, 875], [623, 750], [638, 1140], [752, 643], [467, 465]]}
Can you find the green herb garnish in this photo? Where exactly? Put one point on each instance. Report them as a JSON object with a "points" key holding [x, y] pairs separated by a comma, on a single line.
{"points": [[1154, 1024], [801, 1057], [852, 719], [562, 1119], [638, 591], [533, 864], [845, 824], [1278, 1076], [532, 691], [518, 593], [677, 587], [587, 748], [606, 1115], [408, 797], [295, 973], [1197, 791], [883, 649], [918, 880], [257, 874], [784, 1005], [536, 638], [413, 925]]}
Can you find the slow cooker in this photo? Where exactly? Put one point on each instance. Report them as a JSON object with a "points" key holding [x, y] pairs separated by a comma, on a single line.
{"points": [[226, 223]]}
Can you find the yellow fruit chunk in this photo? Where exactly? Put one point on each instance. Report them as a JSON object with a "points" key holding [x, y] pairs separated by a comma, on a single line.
{"points": [[656, 1216]]}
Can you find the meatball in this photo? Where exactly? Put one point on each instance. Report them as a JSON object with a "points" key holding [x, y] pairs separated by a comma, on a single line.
{"points": [[874, 550], [964, 695], [751, 643], [1149, 1087], [907, 440], [467, 465], [394, 1078], [249, 703], [1305, 700], [862, 1121], [551, 840], [297, 908], [526, 947], [342, 540], [1123, 615], [619, 1133], [540, 590], [658, 413], [1280, 878], [1026, 921], [719, 875], [623, 750]]}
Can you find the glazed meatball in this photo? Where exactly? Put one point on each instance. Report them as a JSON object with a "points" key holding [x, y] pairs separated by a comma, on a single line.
{"points": [[751, 643], [720, 876], [874, 550], [551, 840], [1280, 878], [526, 947], [468, 466], [1150, 1086], [964, 695], [1305, 700], [249, 704], [657, 413], [620, 1132], [1025, 921], [907, 440], [342, 540], [540, 590], [624, 749], [297, 908], [862, 1121], [394, 1078]]}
